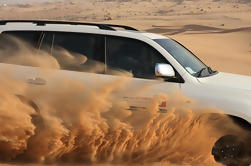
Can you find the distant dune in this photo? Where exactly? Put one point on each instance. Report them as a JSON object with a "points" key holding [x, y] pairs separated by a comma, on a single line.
{"points": [[24, 1]]}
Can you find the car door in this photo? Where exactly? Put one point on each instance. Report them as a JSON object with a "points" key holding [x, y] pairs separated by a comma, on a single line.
{"points": [[107, 58], [139, 59]]}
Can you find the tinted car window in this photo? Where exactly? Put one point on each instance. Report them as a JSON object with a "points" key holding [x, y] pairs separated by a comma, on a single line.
{"points": [[18, 47], [76, 51], [132, 56], [30, 37]]}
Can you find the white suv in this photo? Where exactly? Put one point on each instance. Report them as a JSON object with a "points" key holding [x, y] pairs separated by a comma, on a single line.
{"points": [[147, 57]]}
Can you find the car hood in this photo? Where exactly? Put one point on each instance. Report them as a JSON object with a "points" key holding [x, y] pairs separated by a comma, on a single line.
{"points": [[226, 80]]}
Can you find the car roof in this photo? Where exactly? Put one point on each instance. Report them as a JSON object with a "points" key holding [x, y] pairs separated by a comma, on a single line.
{"points": [[108, 29], [153, 35]]}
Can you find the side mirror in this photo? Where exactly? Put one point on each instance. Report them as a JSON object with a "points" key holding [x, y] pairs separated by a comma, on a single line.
{"points": [[164, 70]]}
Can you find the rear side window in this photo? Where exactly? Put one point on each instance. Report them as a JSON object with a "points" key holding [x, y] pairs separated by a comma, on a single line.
{"points": [[76, 51], [19, 47], [132, 56], [30, 37]]}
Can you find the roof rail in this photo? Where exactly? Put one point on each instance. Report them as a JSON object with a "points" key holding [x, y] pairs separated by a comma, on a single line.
{"points": [[122, 26], [44, 22]]}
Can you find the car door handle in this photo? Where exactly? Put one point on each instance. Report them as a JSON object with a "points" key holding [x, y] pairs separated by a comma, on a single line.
{"points": [[36, 81]]}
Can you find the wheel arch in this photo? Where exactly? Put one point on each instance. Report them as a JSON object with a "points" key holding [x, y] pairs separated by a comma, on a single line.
{"points": [[240, 122]]}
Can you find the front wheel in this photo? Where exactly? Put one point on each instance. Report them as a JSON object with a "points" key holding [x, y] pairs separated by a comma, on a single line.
{"points": [[230, 150]]}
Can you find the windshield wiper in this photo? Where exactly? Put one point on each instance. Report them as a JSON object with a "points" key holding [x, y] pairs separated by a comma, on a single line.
{"points": [[198, 74], [209, 70]]}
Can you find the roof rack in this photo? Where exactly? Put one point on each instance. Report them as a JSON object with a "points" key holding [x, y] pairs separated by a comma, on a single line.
{"points": [[121, 26], [44, 22]]}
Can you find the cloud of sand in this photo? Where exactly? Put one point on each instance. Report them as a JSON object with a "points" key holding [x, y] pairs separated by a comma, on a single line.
{"points": [[87, 123], [15, 119], [79, 123]]}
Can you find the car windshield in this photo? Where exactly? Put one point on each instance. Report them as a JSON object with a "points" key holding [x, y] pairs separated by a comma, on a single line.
{"points": [[185, 57]]}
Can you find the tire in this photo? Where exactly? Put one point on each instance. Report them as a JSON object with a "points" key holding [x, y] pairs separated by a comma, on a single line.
{"points": [[230, 150]]}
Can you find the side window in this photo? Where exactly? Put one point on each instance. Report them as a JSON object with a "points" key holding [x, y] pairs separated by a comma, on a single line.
{"points": [[30, 37], [16, 47], [132, 56], [76, 51]]}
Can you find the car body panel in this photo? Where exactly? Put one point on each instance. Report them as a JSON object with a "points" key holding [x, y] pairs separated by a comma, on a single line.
{"points": [[218, 93], [227, 80], [137, 92]]}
